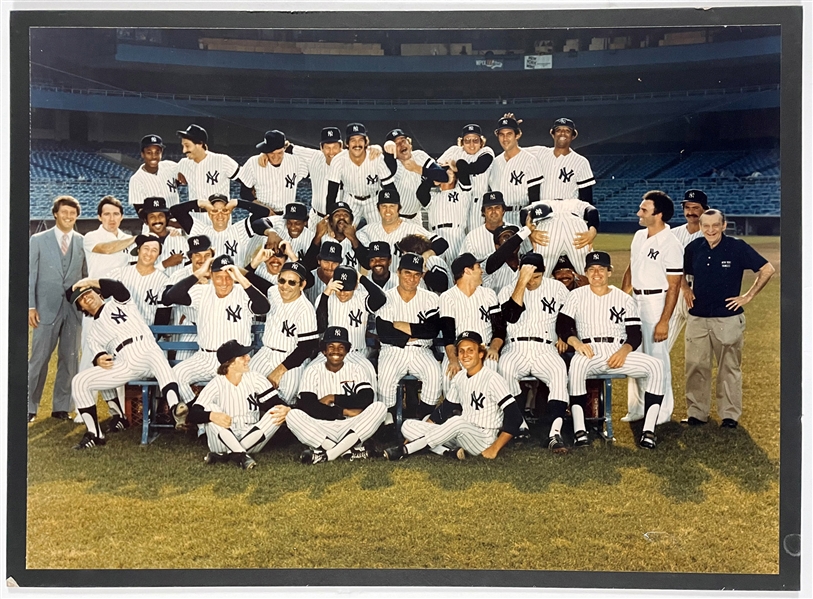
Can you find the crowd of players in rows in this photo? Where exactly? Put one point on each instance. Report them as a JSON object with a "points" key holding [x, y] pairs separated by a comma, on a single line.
{"points": [[503, 283]]}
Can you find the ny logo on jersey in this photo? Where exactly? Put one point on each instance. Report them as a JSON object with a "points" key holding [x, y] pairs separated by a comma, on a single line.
{"points": [[234, 313], [173, 185], [289, 329], [119, 316], [349, 387], [617, 315], [151, 299], [355, 318], [549, 305], [290, 181], [253, 402], [478, 400], [372, 179], [565, 176], [454, 197], [211, 178], [350, 260], [484, 313], [231, 248], [516, 179], [653, 254]]}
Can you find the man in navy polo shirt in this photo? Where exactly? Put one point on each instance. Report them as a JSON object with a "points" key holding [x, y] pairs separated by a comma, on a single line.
{"points": [[716, 321]]}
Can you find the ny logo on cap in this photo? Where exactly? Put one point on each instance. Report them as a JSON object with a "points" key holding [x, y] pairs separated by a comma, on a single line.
{"points": [[196, 242], [470, 128], [595, 256], [376, 246], [344, 276], [330, 133], [466, 334], [355, 128], [337, 332], [224, 261], [691, 194], [416, 260], [387, 195], [332, 250], [504, 122], [154, 139]]}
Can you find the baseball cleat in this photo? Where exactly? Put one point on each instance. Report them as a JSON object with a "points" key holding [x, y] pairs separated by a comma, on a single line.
{"points": [[117, 424], [648, 440], [395, 453], [556, 444], [692, 421], [359, 452], [247, 462], [313, 456], [455, 454], [628, 417], [90, 440], [214, 457], [728, 423], [582, 438], [179, 412]]}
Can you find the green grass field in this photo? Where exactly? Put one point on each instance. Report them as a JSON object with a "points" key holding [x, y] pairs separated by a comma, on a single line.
{"points": [[706, 500]]}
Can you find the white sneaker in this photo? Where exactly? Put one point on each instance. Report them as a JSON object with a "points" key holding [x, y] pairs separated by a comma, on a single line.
{"points": [[632, 417]]}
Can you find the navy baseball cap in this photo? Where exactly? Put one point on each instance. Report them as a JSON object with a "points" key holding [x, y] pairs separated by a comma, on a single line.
{"points": [[696, 196], [355, 129], [493, 198], [274, 140], [411, 262], [152, 205], [230, 350], [469, 336], [295, 211], [469, 129], [507, 123], [221, 262], [461, 263], [303, 273], [335, 334], [562, 263], [379, 249], [152, 140], [538, 212], [347, 276], [331, 251], [340, 205], [534, 259], [73, 295], [564, 122], [598, 258], [195, 134], [198, 243], [142, 239], [395, 134], [389, 196], [218, 197], [331, 135], [502, 229]]}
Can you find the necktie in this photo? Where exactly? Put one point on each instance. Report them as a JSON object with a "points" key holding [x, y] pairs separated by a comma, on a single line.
{"points": [[65, 243]]}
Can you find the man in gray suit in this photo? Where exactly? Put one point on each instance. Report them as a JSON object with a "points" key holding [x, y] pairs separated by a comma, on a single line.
{"points": [[56, 261]]}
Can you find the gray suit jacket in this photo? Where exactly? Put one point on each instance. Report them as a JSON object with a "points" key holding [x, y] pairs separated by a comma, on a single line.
{"points": [[46, 281]]}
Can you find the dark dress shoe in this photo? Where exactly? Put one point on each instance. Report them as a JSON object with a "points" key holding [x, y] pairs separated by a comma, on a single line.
{"points": [[60, 415], [728, 423], [692, 421], [32, 417]]}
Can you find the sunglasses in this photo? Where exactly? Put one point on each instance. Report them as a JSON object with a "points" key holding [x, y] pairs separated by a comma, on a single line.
{"points": [[291, 282]]}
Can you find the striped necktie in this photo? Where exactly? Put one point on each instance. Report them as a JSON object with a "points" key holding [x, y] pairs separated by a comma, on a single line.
{"points": [[65, 243]]}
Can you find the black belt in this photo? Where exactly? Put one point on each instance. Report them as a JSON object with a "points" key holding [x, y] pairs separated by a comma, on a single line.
{"points": [[602, 340], [361, 198], [275, 349], [647, 291], [127, 342], [537, 339], [210, 351], [445, 226], [408, 215]]}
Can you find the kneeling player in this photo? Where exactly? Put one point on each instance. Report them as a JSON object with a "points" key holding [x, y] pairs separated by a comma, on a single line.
{"points": [[336, 411], [239, 409], [490, 416]]}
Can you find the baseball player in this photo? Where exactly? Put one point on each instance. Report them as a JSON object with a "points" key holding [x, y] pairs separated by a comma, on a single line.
{"points": [[223, 311], [480, 241], [124, 349], [272, 182], [290, 337], [145, 283], [239, 409], [379, 256], [318, 163], [155, 214], [338, 227], [479, 416], [530, 309], [359, 175], [601, 323], [654, 276], [449, 211], [330, 257], [294, 228], [501, 267], [156, 178], [566, 274], [337, 409], [437, 276], [267, 263], [471, 159], [406, 326], [411, 167], [516, 172]]}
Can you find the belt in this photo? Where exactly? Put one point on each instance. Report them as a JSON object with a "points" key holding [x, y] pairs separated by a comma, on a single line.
{"points": [[127, 342], [445, 226], [647, 291], [537, 339], [408, 215], [512, 208], [210, 351], [275, 349], [602, 340], [361, 198]]}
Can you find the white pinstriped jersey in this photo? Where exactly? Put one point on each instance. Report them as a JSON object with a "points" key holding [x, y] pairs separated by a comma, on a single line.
{"points": [[683, 236], [262, 272], [221, 319], [652, 259], [564, 175], [542, 307], [348, 252], [163, 184], [479, 183], [352, 377], [235, 241], [288, 325], [470, 313], [422, 306], [318, 168], [241, 401], [364, 180], [480, 243], [450, 207], [188, 312], [172, 245], [501, 278], [375, 232], [513, 177], [352, 315], [209, 176], [301, 244], [314, 292], [407, 182], [483, 397], [145, 290], [274, 186], [601, 315], [114, 323]]}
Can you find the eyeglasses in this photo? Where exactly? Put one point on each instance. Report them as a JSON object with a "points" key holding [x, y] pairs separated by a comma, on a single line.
{"points": [[291, 282]]}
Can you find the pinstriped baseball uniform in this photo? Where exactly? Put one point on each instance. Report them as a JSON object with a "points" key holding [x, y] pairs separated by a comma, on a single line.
{"points": [[407, 182], [286, 326], [242, 403], [479, 183], [352, 315], [236, 241], [564, 175], [683, 236], [145, 290], [449, 213], [566, 220], [499, 279], [681, 311], [606, 316], [513, 178], [348, 252], [530, 356], [172, 245], [416, 358], [275, 186], [374, 231], [163, 184], [301, 244], [262, 272], [652, 259], [361, 181], [479, 243], [483, 398], [354, 357], [318, 168], [315, 291], [209, 176]]}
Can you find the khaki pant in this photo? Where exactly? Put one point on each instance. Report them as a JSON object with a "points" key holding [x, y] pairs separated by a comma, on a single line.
{"points": [[723, 338]]}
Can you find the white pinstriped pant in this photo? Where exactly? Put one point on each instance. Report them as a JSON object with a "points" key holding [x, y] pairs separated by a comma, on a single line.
{"points": [[200, 368], [138, 360], [312, 431], [539, 360], [561, 230], [363, 208], [266, 360], [239, 429], [455, 432], [394, 363], [454, 236], [492, 364], [637, 366]]}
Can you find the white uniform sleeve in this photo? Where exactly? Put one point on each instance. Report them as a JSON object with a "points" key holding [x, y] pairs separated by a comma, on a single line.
{"points": [[571, 306], [302, 170], [673, 258], [584, 174], [248, 173], [310, 380], [336, 170], [134, 192], [208, 398], [229, 165]]}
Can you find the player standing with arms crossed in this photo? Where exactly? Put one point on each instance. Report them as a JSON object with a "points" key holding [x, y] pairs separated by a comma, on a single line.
{"points": [[516, 172]]}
